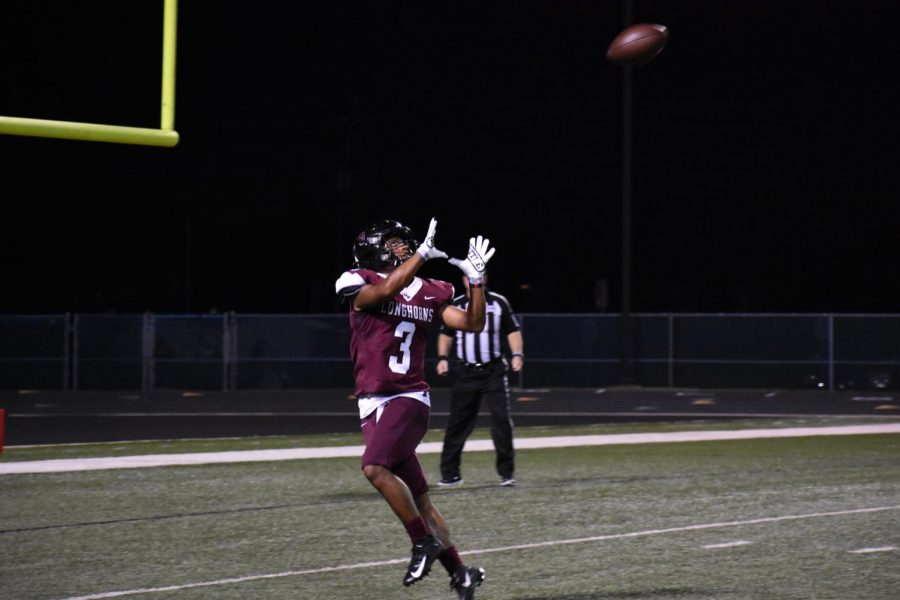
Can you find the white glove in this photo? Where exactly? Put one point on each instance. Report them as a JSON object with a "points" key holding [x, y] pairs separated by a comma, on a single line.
{"points": [[476, 260], [427, 250]]}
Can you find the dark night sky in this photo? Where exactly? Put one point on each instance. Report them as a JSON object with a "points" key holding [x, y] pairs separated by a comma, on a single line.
{"points": [[765, 152]]}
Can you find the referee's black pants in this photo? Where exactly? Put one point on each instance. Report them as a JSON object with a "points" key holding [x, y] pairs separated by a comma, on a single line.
{"points": [[473, 385]]}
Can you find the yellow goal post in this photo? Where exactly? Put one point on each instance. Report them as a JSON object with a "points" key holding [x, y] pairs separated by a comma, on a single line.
{"points": [[165, 136]]}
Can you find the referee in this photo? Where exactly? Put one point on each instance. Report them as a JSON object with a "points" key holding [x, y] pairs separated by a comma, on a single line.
{"points": [[480, 373]]}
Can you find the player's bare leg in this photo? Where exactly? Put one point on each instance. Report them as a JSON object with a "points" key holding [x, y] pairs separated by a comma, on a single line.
{"points": [[433, 519], [463, 579], [394, 491], [426, 547]]}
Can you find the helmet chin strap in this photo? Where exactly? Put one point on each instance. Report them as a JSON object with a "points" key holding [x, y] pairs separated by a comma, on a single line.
{"points": [[399, 260]]}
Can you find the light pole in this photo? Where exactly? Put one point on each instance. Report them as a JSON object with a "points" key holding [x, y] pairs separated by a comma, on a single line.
{"points": [[626, 331]]}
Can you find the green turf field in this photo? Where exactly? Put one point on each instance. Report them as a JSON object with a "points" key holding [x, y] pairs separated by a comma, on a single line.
{"points": [[762, 519]]}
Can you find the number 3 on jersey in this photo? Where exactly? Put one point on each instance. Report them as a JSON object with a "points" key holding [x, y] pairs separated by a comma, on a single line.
{"points": [[404, 330]]}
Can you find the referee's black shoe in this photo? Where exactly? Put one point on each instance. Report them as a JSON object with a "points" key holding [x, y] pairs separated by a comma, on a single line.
{"points": [[451, 481]]}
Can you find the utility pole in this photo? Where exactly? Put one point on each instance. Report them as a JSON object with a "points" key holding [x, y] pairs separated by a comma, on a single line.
{"points": [[188, 261], [626, 338], [345, 182]]}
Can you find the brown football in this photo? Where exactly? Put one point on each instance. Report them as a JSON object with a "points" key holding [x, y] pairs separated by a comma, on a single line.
{"points": [[638, 44]]}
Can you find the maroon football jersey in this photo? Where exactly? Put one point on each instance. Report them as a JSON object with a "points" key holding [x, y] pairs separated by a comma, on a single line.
{"points": [[387, 344]]}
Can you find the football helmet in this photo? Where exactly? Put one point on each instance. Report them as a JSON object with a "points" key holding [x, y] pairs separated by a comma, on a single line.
{"points": [[371, 249]]}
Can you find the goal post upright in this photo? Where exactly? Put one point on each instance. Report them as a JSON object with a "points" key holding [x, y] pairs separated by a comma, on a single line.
{"points": [[170, 30]]}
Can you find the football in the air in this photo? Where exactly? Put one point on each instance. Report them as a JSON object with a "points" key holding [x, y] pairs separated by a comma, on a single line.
{"points": [[638, 44]]}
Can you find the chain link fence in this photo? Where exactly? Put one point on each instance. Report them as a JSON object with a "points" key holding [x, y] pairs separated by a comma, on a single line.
{"points": [[245, 351]]}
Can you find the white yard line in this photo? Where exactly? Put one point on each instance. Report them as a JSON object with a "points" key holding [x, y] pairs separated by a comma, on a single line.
{"points": [[198, 458], [871, 550], [599, 538], [727, 544]]}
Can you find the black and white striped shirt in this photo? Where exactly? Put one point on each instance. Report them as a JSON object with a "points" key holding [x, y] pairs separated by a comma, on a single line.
{"points": [[486, 345]]}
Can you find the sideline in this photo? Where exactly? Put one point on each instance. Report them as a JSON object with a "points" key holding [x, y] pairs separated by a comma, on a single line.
{"points": [[199, 458]]}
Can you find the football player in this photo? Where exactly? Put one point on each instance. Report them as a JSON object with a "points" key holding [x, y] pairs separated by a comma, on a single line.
{"points": [[391, 309]]}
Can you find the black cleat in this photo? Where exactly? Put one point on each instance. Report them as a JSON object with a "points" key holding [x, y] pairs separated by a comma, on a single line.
{"points": [[424, 553], [465, 580]]}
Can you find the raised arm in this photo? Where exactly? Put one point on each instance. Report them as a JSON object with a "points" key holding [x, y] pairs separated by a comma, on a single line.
{"points": [[473, 266], [376, 294], [471, 319]]}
